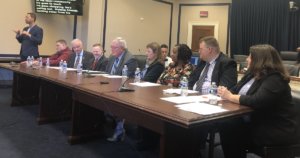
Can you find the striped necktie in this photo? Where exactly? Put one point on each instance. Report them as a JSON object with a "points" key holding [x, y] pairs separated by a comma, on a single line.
{"points": [[77, 61], [114, 68], [202, 77]]}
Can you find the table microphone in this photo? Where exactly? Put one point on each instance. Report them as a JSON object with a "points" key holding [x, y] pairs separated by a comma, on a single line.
{"points": [[125, 89]]}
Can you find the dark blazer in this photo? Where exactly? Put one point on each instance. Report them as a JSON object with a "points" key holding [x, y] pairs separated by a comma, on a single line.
{"points": [[127, 59], [224, 72], [154, 71], [87, 60], [29, 45], [273, 121], [101, 64]]}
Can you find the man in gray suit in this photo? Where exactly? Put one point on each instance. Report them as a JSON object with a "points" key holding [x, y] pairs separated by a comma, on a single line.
{"points": [[80, 56], [119, 57]]}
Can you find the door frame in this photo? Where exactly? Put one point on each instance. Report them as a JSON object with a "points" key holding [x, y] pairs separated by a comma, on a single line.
{"points": [[198, 23]]}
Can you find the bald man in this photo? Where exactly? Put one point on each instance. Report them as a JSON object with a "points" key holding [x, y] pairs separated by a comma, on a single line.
{"points": [[80, 56]]}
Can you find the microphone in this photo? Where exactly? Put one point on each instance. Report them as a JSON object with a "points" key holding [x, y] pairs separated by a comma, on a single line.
{"points": [[125, 89]]}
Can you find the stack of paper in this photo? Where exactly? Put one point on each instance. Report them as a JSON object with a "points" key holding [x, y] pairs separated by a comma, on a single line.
{"points": [[177, 91], [145, 84], [201, 108]]}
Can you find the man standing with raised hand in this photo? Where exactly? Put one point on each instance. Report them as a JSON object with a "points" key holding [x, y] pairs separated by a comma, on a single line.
{"points": [[30, 37]]}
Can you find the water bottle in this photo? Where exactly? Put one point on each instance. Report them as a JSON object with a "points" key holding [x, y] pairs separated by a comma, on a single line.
{"points": [[41, 61], [64, 67], [79, 68], [124, 73], [184, 86], [137, 73], [47, 62], [31, 59], [213, 89], [28, 60], [61, 63]]}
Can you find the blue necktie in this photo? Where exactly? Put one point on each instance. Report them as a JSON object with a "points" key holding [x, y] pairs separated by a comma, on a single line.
{"points": [[202, 77], [114, 68]]}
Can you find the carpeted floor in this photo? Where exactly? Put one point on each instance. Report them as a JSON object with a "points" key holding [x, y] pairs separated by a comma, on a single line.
{"points": [[22, 137]]}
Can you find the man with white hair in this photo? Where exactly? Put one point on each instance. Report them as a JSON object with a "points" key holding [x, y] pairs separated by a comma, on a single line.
{"points": [[119, 57], [79, 56]]}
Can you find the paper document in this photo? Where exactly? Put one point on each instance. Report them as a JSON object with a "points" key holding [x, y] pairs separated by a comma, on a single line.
{"points": [[145, 84], [183, 99], [99, 75], [201, 108], [190, 99], [58, 68], [177, 91], [113, 76]]}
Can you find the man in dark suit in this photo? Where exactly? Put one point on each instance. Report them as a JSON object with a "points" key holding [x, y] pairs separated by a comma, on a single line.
{"points": [[120, 56], [100, 61], [214, 66], [30, 37], [80, 56]]}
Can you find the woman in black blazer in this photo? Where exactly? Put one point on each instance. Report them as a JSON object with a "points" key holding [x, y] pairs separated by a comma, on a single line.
{"points": [[265, 88], [154, 64]]}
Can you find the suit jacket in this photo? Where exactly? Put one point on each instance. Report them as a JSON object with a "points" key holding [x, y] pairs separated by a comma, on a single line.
{"points": [[154, 71], [29, 45], [101, 64], [87, 60], [273, 121], [127, 59], [224, 72]]}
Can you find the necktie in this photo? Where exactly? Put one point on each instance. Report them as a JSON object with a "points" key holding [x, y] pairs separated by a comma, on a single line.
{"points": [[202, 77], [77, 61], [95, 63], [114, 68]]}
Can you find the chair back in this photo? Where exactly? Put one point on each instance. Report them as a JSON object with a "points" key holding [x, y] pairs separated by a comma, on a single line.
{"points": [[141, 60], [290, 57]]}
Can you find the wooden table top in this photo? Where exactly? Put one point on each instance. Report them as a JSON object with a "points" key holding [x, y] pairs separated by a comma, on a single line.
{"points": [[147, 99]]}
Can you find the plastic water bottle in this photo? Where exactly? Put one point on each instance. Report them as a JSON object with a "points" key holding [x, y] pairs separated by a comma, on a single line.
{"points": [[41, 61], [124, 73], [213, 88], [61, 63], [28, 61], [31, 59], [137, 73], [79, 68], [184, 86], [47, 62], [213, 91], [64, 67]]}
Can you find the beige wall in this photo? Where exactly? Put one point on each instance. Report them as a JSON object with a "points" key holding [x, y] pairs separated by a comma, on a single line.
{"points": [[123, 19], [216, 14], [139, 22]]}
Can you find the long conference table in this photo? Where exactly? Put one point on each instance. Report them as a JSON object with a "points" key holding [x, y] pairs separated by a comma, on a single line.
{"points": [[84, 100]]}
